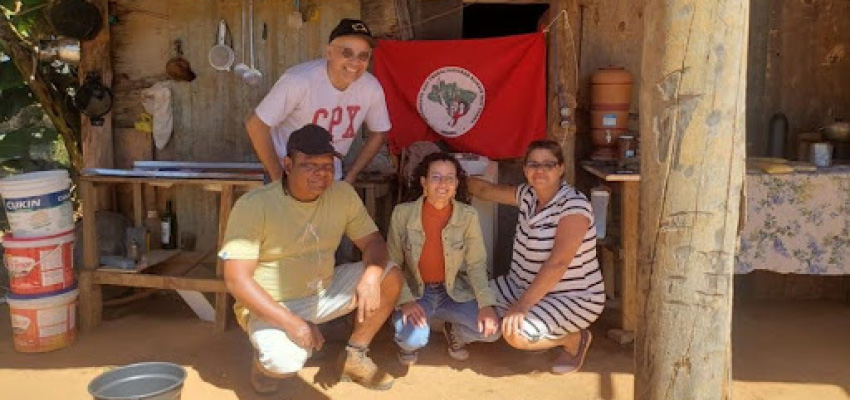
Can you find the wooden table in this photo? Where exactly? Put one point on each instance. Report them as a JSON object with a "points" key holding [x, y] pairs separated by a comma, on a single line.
{"points": [[169, 274], [629, 186]]}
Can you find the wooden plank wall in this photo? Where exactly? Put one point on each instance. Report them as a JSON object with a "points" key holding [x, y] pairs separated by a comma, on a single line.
{"points": [[611, 34], [799, 62], [208, 112]]}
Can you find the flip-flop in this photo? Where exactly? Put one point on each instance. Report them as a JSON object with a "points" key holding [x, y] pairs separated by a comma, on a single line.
{"points": [[566, 362]]}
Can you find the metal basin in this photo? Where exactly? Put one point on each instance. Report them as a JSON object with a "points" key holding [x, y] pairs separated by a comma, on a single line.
{"points": [[142, 381]]}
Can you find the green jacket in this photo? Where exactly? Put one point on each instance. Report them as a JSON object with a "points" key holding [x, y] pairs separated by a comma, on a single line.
{"points": [[463, 246]]}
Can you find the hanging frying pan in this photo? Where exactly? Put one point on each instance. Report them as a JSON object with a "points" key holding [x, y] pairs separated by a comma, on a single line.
{"points": [[221, 55], [78, 19], [178, 68]]}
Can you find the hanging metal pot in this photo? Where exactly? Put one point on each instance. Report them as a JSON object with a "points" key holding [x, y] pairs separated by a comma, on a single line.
{"points": [[78, 19], [93, 99], [178, 68], [66, 50]]}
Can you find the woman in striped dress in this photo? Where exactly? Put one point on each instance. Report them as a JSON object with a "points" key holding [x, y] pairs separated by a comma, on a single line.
{"points": [[554, 289]]}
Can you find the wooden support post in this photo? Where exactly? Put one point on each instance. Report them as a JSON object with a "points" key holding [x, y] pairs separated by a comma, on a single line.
{"points": [[90, 295], [96, 58], [629, 208], [138, 205], [221, 303], [563, 77], [692, 103]]}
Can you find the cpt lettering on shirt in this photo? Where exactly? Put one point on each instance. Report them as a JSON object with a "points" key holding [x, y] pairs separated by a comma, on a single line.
{"points": [[334, 119]]}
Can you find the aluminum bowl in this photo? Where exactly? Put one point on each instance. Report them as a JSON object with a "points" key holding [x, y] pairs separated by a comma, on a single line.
{"points": [[148, 381]]}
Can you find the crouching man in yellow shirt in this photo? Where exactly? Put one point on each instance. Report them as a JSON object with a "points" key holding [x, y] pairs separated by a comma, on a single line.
{"points": [[279, 266]]}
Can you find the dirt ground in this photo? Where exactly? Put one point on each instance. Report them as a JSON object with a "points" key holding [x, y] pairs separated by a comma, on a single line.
{"points": [[782, 351]]}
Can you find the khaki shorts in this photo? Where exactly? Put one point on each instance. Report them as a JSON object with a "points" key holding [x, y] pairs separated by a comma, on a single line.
{"points": [[277, 353]]}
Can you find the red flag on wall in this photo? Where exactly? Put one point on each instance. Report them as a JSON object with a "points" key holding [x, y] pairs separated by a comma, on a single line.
{"points": [[483, 96]]}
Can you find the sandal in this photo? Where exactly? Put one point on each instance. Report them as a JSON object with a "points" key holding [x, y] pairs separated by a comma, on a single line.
{"points": [[566, 362]]}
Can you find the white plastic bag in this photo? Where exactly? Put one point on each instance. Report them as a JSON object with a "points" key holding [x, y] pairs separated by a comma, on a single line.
{"points": [[157, 102]]}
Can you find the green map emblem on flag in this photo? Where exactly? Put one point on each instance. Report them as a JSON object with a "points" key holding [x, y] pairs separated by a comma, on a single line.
{"points": [[451, 100]]}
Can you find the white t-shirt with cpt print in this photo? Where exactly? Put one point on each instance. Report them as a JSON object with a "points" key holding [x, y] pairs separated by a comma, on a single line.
{"points": [[304, 94]]}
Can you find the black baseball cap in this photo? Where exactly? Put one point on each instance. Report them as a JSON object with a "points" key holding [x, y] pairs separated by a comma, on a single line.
{"points": [[311, 139], [353, 27]]}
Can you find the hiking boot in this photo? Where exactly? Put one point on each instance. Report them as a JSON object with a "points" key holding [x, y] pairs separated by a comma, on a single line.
{"points": [[566, 362], [357, 367], [457, 350], [407, 357], [262, 383]]}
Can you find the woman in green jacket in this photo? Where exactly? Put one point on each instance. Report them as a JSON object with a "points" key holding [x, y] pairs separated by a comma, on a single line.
{"points": [[436, 240]]}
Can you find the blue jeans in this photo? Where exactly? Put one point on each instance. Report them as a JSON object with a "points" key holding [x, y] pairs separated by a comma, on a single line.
{"points": [[438, 304]]}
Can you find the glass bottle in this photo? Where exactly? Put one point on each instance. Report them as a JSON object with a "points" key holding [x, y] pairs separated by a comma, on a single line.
{"points": [[168, 226]]}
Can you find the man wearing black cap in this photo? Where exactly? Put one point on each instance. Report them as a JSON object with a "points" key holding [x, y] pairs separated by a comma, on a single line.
{"points": [[279, 266], [335, 92]]}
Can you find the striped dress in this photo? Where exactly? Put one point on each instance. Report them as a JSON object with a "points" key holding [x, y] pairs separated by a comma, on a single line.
{"points": [[578, 299]]}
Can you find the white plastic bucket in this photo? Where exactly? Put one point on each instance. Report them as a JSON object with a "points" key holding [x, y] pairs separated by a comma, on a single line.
{"points": [[38, 203], [43, 322], [39, 265], [599, 198]]}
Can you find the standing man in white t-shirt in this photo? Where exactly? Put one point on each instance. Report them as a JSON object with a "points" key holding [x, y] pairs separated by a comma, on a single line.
{"points": [[335, 92]]}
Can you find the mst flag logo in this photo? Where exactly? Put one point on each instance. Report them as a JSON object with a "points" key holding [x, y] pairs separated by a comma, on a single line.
{"points": [[482, 96], [451, 100]]}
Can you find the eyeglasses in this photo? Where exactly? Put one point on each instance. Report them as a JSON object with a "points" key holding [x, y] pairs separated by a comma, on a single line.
{"points": [[448, 179], [546, 166], [313, 167], [348, 54]]}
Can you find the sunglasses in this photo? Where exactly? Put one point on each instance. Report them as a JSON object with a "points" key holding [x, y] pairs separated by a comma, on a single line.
{"points": [[348, 54], [546, 166]]}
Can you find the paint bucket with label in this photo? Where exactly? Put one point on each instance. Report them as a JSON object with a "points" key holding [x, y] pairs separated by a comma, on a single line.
{"points": [[38, 203], [39, 265], [43, 323]]}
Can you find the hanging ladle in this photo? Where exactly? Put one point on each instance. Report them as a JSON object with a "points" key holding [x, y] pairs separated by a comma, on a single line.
{"points": [[241, 68], [253, 77]]}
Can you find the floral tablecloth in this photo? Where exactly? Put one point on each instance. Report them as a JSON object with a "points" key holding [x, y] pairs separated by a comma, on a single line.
{"points": [[797, 223]]}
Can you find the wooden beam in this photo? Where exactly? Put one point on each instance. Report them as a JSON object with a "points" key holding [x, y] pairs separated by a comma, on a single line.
{"points": [[563, 77], [692, 102], [90, 294], [221, 299], [96, 57], [159, 282]]}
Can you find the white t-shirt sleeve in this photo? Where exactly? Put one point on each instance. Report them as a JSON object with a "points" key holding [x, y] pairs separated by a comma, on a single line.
{"points": [[377, 117], [281, 100]]}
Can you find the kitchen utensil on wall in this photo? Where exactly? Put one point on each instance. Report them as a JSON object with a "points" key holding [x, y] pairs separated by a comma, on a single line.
{"points": [[221, 55], [253, 77], [838, 130], [78, 19], [241, 68], [178, 68], [93, 99], [66, 50]]}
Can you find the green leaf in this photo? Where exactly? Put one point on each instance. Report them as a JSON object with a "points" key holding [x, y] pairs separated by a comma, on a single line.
{"points": [[10, 77], [13, 100]]}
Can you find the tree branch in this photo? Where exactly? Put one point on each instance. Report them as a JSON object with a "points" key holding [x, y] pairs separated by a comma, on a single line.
{"points": [[64, 118]]}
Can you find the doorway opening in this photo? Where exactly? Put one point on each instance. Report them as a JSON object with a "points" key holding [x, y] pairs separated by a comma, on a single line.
{"points": [[502, 19]]}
